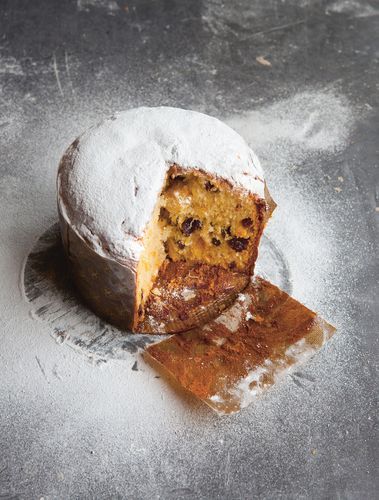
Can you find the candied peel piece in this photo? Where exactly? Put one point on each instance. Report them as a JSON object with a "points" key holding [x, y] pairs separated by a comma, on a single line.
{"points": [[233, 358]]}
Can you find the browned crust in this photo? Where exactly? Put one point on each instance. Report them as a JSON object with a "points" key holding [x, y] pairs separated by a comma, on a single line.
{"points": [[186, 295]]}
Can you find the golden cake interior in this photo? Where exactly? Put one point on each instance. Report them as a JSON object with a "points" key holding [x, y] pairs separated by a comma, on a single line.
{"points": [[198, 220]]}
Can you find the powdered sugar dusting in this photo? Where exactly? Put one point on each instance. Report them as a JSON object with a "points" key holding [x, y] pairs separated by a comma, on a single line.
{"points": [[98, 194]]}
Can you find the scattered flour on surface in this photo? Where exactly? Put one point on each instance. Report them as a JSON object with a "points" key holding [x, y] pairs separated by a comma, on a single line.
{"points": [[108, 417], [353, 8], [292, 128], [9, 65], [82, 430], [301, 235], [110, 6], [288, 134]]}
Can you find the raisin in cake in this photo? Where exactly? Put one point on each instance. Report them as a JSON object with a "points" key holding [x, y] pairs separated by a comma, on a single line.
{"points": [[161, 213]]}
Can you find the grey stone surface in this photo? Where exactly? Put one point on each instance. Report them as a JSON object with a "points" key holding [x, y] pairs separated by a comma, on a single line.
{"points": [[63, 65]]}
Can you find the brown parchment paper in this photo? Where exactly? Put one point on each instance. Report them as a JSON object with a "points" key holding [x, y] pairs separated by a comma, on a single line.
{"points": [[233, 358]]}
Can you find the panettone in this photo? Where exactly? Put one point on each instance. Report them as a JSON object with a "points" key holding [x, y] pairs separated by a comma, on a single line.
{"points": [[161, 212]]}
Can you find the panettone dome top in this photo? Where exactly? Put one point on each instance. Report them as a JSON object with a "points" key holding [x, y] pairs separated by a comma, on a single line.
{"points": [[110, 178]]}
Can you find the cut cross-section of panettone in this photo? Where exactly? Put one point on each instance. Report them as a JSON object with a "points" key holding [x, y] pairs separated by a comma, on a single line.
{"points": [[161, 212]]}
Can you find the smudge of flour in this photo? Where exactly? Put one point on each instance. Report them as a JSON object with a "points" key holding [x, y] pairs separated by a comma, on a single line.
{"points": [[110, 6], [292, 129], [9, 65], [352, 8]]}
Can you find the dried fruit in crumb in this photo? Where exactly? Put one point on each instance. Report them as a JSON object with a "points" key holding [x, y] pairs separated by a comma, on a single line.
{"points": [[238, 244], [174, 179], [183, 315], [226, 231], [190, 225], [211, 187], [247, 222], [164, 215]]}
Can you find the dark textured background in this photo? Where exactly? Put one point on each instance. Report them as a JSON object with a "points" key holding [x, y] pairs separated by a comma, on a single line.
{"points": [[86, 58]]}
